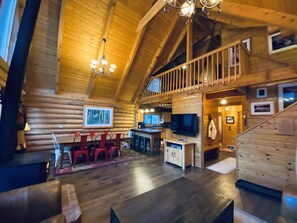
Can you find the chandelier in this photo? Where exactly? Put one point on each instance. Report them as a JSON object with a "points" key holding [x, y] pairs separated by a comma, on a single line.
{"points": [[188, 7], [99, 68]]}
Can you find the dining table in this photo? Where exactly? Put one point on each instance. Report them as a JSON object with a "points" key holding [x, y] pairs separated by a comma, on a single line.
{"points": [[69, 141]]}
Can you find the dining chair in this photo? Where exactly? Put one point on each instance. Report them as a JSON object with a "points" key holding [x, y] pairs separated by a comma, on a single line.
{"points": [[101, 148], [83, 150], [58, 151], [116, 147]]}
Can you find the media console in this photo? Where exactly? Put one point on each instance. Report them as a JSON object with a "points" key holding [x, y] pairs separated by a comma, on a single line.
{"points": [[180, 153]]}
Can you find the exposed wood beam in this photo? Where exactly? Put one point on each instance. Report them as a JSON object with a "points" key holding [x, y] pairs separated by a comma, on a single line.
{"points": [[233, 20], [150, 14], [101, 45], [157, 54], [281, 19], [223, 94], [177, 43], [189, 41], [59, 44], [130, 60]]}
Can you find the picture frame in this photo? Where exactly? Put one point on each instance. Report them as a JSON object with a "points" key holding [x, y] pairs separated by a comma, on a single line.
{"points": [[97, 117], [261, 92], [247, 43], [278, 43], [229, 119], [262, 108]]}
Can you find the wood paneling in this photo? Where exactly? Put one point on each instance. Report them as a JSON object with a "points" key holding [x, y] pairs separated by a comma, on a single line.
{"points": [[63, 115], [190, 105], [267, 158]]}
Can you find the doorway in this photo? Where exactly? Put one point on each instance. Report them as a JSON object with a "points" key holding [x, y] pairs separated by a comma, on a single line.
{"points": [[231, 125]]}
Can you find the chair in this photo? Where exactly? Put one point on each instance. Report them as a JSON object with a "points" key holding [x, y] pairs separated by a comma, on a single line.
{"points": [[82, 149], [58, 151], [116, 146], [101, 148]]}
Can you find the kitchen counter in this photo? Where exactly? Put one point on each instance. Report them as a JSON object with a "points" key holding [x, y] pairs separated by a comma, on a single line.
{"points": [[147, 130], [154, 135]]}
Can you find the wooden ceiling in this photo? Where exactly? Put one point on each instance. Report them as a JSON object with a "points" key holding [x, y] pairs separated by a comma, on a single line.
{"points": [[138, 51]]}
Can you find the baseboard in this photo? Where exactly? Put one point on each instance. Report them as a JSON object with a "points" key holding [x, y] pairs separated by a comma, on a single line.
{"points": [[260, 189]]}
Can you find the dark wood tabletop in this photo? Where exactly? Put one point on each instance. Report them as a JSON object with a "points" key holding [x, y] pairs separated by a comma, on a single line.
{"points": [[178, 201]]}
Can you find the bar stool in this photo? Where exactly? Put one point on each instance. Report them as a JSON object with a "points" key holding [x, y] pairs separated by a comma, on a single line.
{"points": [[135, 141], [147, 143], [157, 143], [141, 143]]}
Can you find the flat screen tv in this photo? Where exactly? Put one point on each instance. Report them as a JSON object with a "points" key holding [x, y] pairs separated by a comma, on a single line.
{"points": [[184, 124]]}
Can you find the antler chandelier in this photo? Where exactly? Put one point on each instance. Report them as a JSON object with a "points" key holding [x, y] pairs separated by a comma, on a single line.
{"points": [[102, 70], [188, 7]]}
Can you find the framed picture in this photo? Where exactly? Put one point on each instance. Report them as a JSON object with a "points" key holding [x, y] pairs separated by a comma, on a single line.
{"points": [[262, 108], [287, 94], [261, 92], [234, 55], [229, 119], [97, 117], [278, 43]]}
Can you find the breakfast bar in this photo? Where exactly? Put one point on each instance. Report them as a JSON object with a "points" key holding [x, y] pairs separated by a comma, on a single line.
{"points": [[154, 136]]}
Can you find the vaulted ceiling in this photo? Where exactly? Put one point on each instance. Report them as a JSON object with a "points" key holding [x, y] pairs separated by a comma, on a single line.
{"points": [[139, 51]]}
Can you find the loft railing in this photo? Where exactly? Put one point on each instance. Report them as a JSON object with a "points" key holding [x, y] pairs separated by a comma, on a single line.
{"points": [[223, 65]]}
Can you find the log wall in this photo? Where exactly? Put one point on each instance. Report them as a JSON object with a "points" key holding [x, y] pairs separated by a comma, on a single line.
{"points": [[63, 115], [267, 158], [189, 105]]}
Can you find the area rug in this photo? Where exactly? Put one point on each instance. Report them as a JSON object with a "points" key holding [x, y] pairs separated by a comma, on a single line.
{"points": [[243, 217], [83, 166], [225, 166]]}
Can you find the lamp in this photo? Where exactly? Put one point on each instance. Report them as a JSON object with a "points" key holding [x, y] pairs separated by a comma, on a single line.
{"points": [[188, 7], [102, 70]]}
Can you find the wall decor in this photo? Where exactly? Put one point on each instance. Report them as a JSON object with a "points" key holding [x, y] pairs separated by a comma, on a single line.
{"points": [[262, 108], [278, 43], [96, 117], [229, 119], [261, 92], [233, 58]]}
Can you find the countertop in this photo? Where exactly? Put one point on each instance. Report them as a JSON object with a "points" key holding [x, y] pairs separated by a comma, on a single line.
{"points": [[147, 130]]}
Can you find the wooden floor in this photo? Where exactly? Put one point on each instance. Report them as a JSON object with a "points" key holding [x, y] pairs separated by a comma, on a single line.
{"points": [[99, 189]]}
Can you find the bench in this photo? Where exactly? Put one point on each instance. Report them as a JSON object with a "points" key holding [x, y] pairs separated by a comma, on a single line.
{"points": [[211, 151]]}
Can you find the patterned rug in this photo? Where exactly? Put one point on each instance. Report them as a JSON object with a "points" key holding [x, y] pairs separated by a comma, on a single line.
{"points": [[98, 164]]}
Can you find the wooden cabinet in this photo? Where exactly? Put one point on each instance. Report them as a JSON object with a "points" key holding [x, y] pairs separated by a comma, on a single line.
{"points": [[166, 116], [179, 153]]}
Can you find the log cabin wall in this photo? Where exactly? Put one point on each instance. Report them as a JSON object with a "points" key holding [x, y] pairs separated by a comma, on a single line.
{"points": [[266, 156], [272, 95], [63, 115], [189, 105]]}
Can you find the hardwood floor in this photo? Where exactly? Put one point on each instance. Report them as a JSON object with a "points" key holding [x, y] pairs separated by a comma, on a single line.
{"points": [[97, 190]]}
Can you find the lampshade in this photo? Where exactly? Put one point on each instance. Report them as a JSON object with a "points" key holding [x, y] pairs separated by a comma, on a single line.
{"points": [[27, 127]]}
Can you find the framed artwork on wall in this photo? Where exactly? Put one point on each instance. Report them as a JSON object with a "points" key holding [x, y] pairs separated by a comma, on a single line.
{"points": [[234, 54], [262, 108], [261, 92], [97, 117], [229, 119], [287, 95], [278, 43]]}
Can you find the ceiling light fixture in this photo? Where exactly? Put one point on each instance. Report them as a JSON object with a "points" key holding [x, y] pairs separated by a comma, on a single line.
{"points": [[102, 70], [189, 6]]}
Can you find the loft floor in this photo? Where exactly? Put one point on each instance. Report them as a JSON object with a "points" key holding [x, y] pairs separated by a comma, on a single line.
{"points": [[99, 189]]}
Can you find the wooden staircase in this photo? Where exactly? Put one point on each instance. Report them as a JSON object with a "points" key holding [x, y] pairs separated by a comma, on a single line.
{"points": [[218, 67]]}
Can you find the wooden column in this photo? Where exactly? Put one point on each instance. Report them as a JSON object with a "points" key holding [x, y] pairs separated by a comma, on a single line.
{"points": [[189, 50], [15, 80]]}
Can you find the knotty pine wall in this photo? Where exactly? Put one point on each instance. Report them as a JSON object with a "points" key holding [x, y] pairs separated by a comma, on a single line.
{"points": [[63, 115], [188, 105], [267, 158]]}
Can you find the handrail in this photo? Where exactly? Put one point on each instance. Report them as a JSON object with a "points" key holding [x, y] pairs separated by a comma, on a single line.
{"points": [[223, 65]]}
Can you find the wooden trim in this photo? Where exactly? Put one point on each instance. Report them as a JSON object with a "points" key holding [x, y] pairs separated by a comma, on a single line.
{"points": [[4, 65], [59, 44], [150, 14]]}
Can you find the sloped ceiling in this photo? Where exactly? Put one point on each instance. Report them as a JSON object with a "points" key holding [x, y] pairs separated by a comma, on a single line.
{"points": [[137, 54]]}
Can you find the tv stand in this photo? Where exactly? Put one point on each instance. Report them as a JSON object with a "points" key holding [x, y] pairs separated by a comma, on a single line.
{"points": [[180, 153]]}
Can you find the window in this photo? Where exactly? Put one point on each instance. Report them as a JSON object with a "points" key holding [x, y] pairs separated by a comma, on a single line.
{"points": [[151, 119], [287, 95], [278, 43], [9, 25], [155, 85]]}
